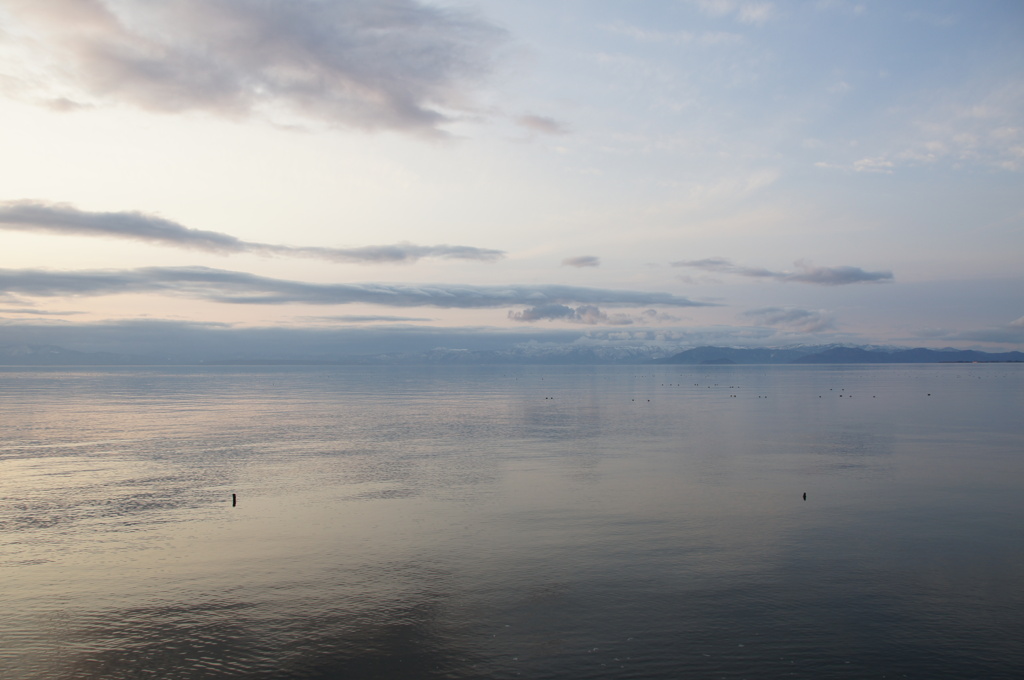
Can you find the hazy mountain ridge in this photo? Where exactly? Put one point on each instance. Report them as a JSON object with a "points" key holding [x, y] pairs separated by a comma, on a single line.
{"points": [[51, 355], [836, 354], [917, 355]]}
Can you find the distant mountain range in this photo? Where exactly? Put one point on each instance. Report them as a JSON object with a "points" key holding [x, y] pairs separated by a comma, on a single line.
{"points": [[835, 355], [50, 355]]}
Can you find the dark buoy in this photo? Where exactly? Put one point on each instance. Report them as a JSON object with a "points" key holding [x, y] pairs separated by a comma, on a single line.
{"points": [[234, 500], [805, 495]]}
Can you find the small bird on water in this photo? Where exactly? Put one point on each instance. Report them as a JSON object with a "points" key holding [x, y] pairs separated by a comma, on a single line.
{"points": [[805, 495]]}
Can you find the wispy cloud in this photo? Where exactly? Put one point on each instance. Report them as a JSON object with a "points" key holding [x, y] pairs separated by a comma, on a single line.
{"points": [[648, 35], [58, 218], [744, 12], [980, 124], [582, 261], [805, 272], [218, 285], [400, 64], [802, 320], [36, 312], [548, 126]]}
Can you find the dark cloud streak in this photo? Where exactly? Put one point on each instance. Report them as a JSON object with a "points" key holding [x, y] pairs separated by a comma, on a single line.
{"points": [[806, 272], [582, 261], [60, 218], [232, 287]]}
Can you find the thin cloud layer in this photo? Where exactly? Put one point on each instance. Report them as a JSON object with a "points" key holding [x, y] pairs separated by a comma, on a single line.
{"points": [[582, 261], [218, 285], [68, 220], [744, 12], [802, 320], [369, 64], [36, 312], [806, 272]]}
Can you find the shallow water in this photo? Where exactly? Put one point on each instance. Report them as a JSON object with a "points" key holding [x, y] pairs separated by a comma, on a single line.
{"points": [[542, 522]]}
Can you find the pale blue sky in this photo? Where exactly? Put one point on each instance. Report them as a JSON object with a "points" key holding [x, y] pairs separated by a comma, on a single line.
{"points": [[671, 172]]}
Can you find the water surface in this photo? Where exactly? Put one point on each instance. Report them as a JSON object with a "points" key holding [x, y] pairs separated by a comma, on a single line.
{"points": [[542, 522]]}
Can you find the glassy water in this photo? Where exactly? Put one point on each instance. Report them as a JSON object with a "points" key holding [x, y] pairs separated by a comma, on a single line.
{"points": [[499, 522]]}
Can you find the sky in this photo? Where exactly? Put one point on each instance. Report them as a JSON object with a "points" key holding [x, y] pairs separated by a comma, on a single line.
{"points": [[355, 176]]}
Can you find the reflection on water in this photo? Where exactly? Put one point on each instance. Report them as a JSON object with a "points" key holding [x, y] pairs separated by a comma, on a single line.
{"points": [[584, 522]]}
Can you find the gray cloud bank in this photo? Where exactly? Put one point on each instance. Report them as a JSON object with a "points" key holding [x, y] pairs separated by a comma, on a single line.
{"points": [[59, 218], [218, 285], [806, 272], [370, 64]]}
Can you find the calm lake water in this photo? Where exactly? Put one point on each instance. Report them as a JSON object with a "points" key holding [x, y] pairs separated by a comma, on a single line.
{"points": [[499, 522]]}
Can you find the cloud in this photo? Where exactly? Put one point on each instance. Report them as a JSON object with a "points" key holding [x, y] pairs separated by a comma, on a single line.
{"points": [[60, 218], [647, 35], [806, 272], [548, 126], [400, 252], [543, 312], [744, 12], [399, 64], [36, 312], [979, 124], [877, 165], [802, 320], [585, 314], [582, 261], [218, 285]]}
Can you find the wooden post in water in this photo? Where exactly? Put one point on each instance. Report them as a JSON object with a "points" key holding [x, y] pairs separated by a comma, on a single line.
{"points": [[234, 500]]}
